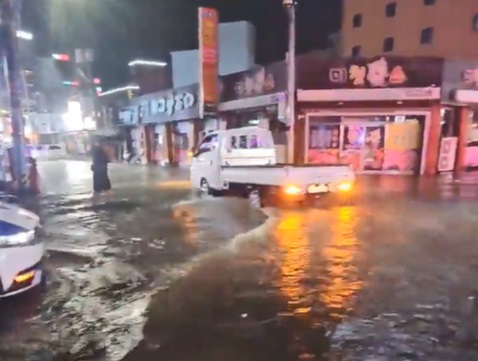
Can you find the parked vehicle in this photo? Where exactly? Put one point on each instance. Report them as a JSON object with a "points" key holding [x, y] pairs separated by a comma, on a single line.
{"points": [[243, 162], [47, 151], [21, 251]]}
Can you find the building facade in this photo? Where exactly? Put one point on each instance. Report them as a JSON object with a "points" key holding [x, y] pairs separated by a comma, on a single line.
{"points": [[374, 114], [257, 97], [380, 115], [162, 128], [444, 28], [236, 54], [150, 76]]}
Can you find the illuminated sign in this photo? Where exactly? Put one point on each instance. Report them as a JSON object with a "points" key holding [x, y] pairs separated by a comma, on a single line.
{"points": [[70, 83], [374, 74], [61, 57]]}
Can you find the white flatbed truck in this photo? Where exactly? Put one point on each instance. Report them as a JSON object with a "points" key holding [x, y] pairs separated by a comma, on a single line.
{"points": [[242, 162]]}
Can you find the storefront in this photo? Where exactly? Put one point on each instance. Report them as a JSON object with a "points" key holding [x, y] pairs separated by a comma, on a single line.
{"points": [[77, 143], [256, 98], [378, 115], [371, 142], [460, 94], [161, 128]]}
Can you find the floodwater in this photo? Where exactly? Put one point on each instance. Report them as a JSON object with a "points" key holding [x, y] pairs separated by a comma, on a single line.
{"points": [[152, 272]]}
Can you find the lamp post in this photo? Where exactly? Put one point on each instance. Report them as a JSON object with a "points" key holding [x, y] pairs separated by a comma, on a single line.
{"points": [[291, 82], [9, 25]]}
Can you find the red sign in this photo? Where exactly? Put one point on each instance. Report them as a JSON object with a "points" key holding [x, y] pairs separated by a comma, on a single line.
{"points": [[208, 60]]}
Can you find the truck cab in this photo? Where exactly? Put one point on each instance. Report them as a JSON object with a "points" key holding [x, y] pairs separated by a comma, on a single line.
{"points": [[248, 146]]}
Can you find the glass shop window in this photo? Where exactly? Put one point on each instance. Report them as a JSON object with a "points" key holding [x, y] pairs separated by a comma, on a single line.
{"points": [[473, 129], [243, 142], [254, 142], [448, 123]]}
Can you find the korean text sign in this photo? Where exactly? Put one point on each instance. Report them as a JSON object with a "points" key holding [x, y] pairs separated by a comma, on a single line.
{"points": [[208, 59]]}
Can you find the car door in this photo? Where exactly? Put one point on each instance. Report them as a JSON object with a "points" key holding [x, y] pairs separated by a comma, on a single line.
{"points": [[204, 165]]}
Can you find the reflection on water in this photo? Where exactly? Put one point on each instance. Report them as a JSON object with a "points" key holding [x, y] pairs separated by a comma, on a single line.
{"points": [[77, 172], [175, 184], [293, 242], [339, 255], [318, 258], [187, 216]]}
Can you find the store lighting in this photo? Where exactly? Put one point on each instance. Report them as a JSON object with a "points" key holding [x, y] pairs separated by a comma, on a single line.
{"points": [[118, 90], [70, 83], [25, 35], [140, 62], [89, 123], [28, 131], [72, 120]]}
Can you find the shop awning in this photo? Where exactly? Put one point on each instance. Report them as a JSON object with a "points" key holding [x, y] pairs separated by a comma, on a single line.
{"points": [[465, 96], [383, 94]]}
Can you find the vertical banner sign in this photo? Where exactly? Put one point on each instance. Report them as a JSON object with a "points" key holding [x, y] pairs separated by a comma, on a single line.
{"points": [[208, 60]]}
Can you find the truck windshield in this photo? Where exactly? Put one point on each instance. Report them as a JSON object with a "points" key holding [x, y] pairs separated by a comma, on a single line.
{"points": [[207, 144]]}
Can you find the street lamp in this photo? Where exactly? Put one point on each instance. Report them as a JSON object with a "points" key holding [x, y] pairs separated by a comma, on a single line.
{"points": [[291, 82], [151, 63]]}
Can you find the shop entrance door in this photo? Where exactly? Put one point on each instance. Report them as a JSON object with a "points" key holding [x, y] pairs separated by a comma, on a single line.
{"points": [[362, 146]]}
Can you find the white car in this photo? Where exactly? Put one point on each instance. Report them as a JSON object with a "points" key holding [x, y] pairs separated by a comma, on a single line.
{"points": [[47, 151], [21, 252]]}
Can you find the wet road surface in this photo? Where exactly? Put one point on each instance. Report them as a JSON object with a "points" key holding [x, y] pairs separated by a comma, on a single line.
{"points": [[152, 272]]}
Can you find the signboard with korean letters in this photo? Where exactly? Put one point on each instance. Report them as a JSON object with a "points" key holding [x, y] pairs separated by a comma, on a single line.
{"points": [[162, 107]]}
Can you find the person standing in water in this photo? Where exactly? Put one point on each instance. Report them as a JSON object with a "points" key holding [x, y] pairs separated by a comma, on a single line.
{"points": [[101, 181]]}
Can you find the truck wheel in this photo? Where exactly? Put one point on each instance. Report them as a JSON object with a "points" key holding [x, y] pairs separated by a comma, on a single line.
{"points": [[206, 190], [204, 187]]}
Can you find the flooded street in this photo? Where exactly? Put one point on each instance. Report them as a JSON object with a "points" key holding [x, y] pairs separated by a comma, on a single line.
{"points": [[152, 272]]}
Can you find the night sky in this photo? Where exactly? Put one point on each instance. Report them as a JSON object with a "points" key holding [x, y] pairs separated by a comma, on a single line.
{"points": [[121, 30]]}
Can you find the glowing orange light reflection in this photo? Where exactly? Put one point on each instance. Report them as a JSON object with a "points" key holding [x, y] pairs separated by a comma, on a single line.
{"points": [[320, 248], [339, 254], [187, 215], [292, 239]]}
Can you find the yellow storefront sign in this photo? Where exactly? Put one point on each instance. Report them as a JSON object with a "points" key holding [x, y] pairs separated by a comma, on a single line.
{"points": [[402, 136]]}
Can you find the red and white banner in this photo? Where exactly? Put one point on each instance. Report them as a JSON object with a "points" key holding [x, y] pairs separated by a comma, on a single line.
{"points": [[208, 60]]}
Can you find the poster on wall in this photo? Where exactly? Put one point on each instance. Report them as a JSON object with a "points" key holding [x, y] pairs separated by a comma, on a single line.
{"points": [[208, 60], [373, 148], [354, 140], [402, 146], [324, 143], [447, 155]]}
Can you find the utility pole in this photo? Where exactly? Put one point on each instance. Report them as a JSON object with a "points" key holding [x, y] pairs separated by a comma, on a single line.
{"points": [[10, 11], [291, 82]]}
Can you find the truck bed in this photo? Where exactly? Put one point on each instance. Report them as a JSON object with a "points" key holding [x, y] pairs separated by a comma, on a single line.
{"points": [[284, 174]]}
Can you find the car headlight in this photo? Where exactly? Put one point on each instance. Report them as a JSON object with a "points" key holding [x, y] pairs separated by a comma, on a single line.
{"points": [[18, 239]]}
